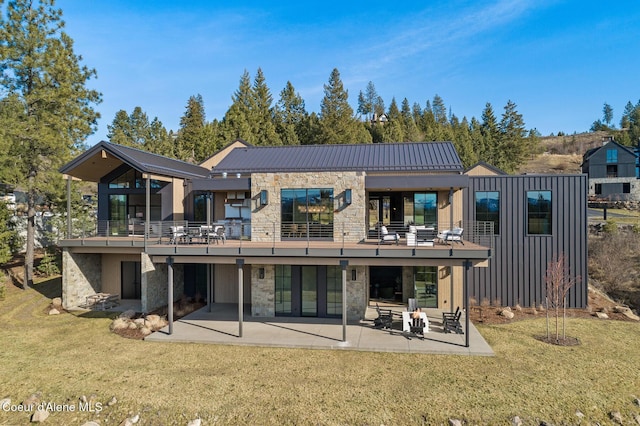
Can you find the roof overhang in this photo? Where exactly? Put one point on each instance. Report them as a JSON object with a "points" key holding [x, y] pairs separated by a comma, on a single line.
{"points": [[220, 184], [415, 182]]}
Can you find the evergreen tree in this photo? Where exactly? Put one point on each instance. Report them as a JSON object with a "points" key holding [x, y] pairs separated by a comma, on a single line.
{"points": [[237, 121], [462, 140], [491, 153], [290, 115], [337, 123], [439, 111], [120, 131], [263, 126], [512, 139], [607, 114], [409, 127], [367, 101], [135, 130], [190, 141], [42, 76]]}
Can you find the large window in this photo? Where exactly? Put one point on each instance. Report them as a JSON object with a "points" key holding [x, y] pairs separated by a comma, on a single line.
{"points": [[612, 156], [334, 291], [283, 289], [307, 213], [426, 286], [488, 208], [425, 209], [539, 212], [612, 170], [132, 179]]}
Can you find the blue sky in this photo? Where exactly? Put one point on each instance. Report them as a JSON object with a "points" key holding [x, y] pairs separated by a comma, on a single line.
{"points": [[559, 61]]}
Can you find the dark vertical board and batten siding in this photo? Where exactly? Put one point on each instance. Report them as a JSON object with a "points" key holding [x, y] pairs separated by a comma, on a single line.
{"points": [[516, 272]]}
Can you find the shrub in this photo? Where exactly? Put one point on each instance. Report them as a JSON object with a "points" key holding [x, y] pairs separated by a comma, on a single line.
{"points": [[610, 227]]}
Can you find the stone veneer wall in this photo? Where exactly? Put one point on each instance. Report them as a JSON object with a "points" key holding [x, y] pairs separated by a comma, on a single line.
{"points": [[263, 292], [634, 195], [154, 283], [82, 277], [351, 217]]}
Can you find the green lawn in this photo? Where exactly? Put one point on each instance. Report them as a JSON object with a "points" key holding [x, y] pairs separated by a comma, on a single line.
{"points": [[70, 355]]}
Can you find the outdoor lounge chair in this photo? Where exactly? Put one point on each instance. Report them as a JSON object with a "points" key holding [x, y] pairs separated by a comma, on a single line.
{"points": [[416, 327], [452, 324], [220, 235], [386, 237], [385, 318], [450, 315], [454, 235], [177, 234]]}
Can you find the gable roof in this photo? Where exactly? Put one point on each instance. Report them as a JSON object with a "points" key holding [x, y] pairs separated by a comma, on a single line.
{"points": [[587, 155], [477, 169], [104, 157], [380, 157]]}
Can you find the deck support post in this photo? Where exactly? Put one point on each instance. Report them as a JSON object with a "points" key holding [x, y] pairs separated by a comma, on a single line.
{"points": [[170, 293], [343, 265], [240, 265], [466, 265]]}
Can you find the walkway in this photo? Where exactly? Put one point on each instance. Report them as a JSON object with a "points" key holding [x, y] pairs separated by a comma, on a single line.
{"points": [[220, 326]]}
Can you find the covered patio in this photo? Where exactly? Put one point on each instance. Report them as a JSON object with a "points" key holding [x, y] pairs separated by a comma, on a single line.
{"points": [[220, 326]]}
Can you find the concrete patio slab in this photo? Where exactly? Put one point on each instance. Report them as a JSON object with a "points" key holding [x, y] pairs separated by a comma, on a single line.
{"points": [[220, 326]]}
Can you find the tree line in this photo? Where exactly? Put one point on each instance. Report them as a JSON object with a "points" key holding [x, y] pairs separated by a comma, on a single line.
{"points": [[256, 118], [629, 132]]}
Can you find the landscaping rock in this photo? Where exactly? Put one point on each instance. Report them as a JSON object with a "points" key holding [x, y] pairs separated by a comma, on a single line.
{"points": [[39, 416], [507, 313], [112, 401], [637, 418], [133, 325], [130, 421], [579, 414], [616, 417], [602, 315], [195, 422], [455, 422], [57, 302], [34, 399], [120, 324], [54, 311], [145, 331], [139, 322], [636, 401], [91, 423], [155, 322], [516, 421]]}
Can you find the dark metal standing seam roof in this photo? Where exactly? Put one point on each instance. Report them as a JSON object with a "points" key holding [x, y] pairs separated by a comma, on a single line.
{"points": [[144, 161], [384, 157]]}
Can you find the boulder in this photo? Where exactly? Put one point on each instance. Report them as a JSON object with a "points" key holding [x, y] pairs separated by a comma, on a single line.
{"points": [[507, 313], [139, 322], [54, 311], [637, 418], [130, 421], [133, 325], [516, 421], [39, 416], [145, 331], [616, 417], [195, 422], [120, 324], [91, 423], [602, 315], [455, 422], [112, 401], [57, 302], [579, 414], [627, 312]]}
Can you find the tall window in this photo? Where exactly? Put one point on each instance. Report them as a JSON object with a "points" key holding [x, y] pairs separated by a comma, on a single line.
{"points": [[426, 286], [283, 289], [488, 208], [334, 291], [307, 213], [425, 210], [612, 156], [598, 189], [539, 212]]}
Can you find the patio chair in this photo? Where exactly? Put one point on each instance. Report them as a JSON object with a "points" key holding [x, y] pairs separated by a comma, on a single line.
{"points": [[452, 325], [386, 237], [454, 235], [177, 234], [450, 315], [220, 235], [385, 318], [416, 327]]}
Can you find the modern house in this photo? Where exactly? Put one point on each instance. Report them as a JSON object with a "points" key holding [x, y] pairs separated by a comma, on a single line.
{"points": [[613, 172], [321, 230]]}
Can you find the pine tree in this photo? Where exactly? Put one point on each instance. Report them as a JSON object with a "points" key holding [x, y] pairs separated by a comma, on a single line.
{"points": [[190, 142], [264, 128], [119, 131], [491, 153], [337, 123], [290, 115], [238, 118], [512, 138], [41, 74], [409, 127]]}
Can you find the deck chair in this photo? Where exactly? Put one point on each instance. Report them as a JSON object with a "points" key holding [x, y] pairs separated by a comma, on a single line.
{"points": [[386, 237], [454, 235], [416, 327], [449, 315], [219, 235], [385, 318], [452, 324]]}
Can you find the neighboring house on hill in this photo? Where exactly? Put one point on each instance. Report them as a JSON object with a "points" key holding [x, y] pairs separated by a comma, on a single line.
{"points": [[613, 172], [321, 230]]}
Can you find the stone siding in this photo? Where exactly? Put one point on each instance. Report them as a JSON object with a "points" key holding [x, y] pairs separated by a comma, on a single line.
{"points": [[357, 293], [154, 283], [263, 291], [350, 219], [82, 277]]}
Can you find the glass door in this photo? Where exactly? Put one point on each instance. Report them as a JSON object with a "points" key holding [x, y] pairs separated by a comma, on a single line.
{"points": [[426, 286], [309, 292]]}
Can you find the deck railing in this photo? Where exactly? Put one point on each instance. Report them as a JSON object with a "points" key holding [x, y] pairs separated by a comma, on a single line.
{"points": [[183, 232]]}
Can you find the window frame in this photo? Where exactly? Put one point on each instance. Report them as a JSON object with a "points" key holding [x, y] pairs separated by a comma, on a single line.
{"points": [[487, 214], [543, 212]]}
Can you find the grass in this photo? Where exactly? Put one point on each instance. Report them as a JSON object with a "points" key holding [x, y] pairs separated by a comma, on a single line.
{"points": [[66, 356]]}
